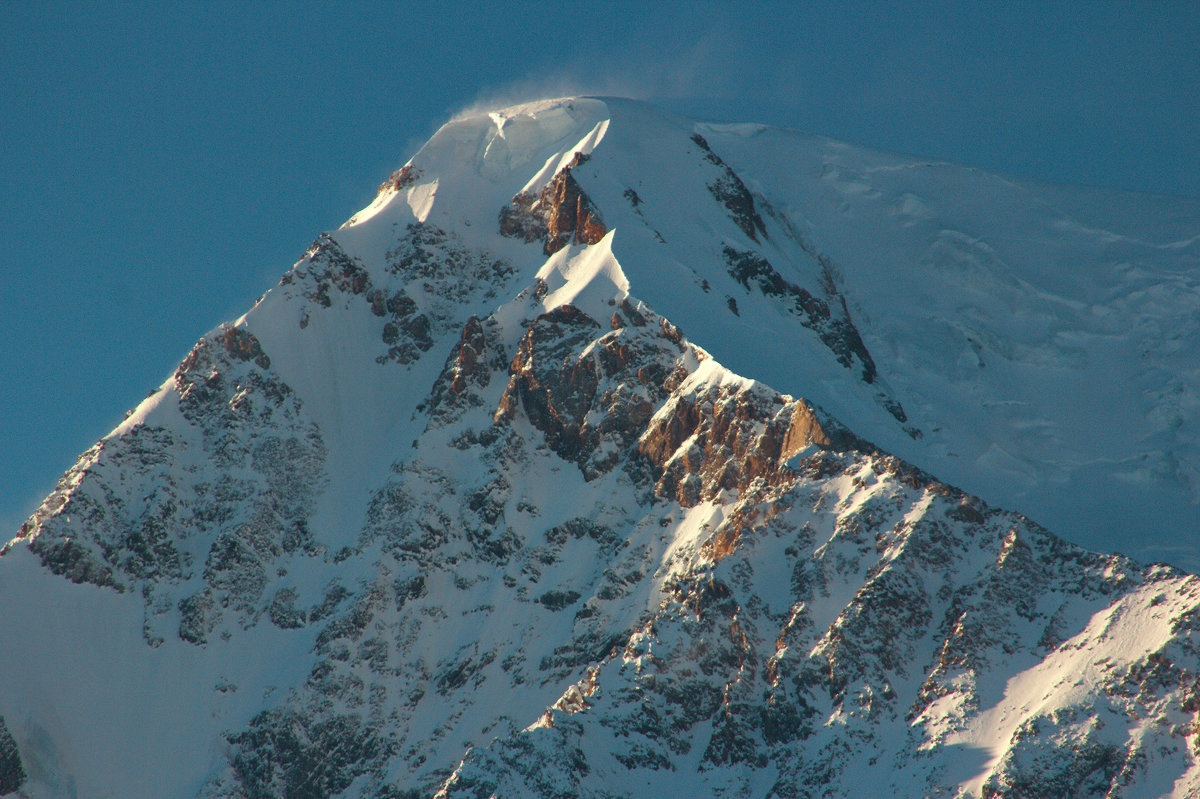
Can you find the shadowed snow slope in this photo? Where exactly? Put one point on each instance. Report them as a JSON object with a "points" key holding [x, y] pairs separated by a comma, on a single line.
{"points": [[596, 457]]}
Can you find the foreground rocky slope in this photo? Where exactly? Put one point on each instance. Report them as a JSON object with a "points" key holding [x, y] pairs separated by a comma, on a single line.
{"points": [[456, 511]]}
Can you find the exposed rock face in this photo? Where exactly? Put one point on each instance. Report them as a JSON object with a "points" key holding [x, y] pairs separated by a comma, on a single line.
{"points": [[244, 346], [837, 332], [560, 214], [250, 498], [828, 318], [731, 192], [12, 773], [567, 368], [402, 178], [477, 358], [329, 269], [610, 401], [722, 439]]}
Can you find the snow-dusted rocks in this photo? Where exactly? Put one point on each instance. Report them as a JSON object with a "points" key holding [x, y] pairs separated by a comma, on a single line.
{"points": [[12, 773], [596, 458]]}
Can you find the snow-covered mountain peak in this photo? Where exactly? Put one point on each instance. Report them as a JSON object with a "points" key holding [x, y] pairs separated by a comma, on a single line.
{"points": [[1010, 306], [608, 452], [475, 164]]}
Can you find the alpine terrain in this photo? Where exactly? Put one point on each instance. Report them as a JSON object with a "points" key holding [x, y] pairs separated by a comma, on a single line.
{"points": [[609, 453]]}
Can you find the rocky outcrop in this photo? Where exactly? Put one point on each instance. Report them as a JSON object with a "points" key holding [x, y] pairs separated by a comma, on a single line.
{"points": [[327, 268], [242, 345], [222, 499], [722, 438], [473, 363], [558, 215], [858, 595], [590, 391], [729, 190], [425, 279], [836, 331], [12, 772], [829, 318], [402, 178], [289, 754]]}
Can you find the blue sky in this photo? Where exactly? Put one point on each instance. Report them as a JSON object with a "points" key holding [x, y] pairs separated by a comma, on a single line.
{"points": [[161, 165]]}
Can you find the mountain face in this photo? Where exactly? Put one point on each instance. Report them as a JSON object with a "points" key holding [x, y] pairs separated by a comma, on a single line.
{"points": [[596, 457]]}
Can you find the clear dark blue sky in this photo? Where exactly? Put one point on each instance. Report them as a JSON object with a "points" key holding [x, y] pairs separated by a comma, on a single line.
{"points": [[161, 165]]}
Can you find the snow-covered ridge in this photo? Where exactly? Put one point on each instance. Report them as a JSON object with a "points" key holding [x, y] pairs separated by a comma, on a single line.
{"points": [[1030, 342], [569, 467]]}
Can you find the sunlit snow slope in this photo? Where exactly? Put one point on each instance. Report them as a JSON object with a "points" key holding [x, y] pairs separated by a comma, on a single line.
{"points": [[610, 453]]}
